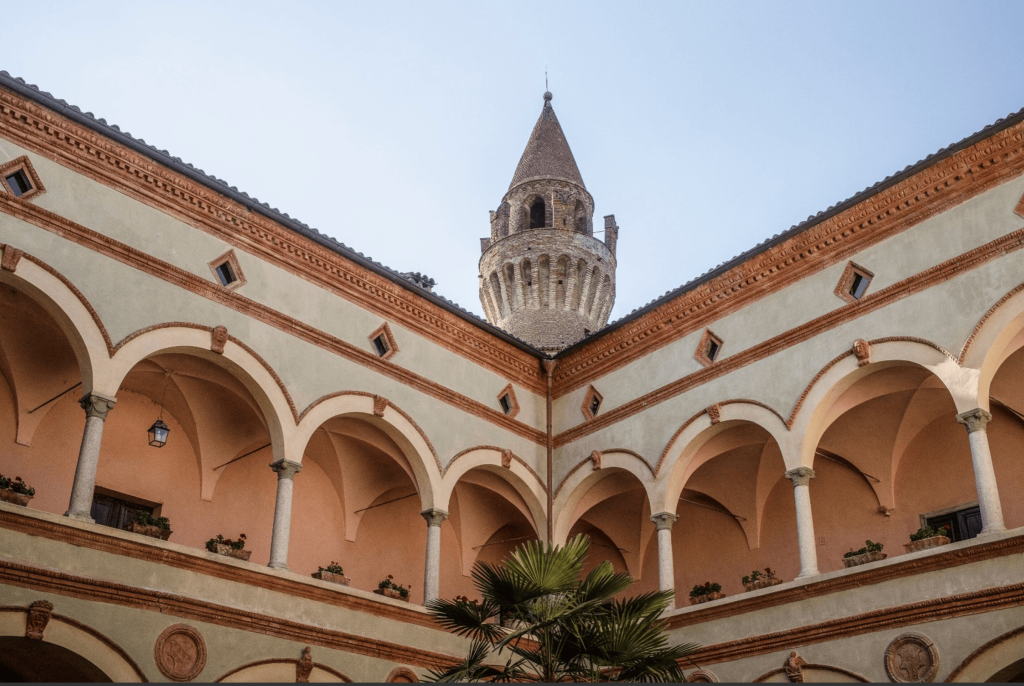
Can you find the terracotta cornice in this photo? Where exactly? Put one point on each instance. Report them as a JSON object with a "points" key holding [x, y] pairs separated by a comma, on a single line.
{"points": [[47, 133], [920, 565], [132, 257], [200, 565], [947, 182], [932, 610], [97, 590], [869, 303]]}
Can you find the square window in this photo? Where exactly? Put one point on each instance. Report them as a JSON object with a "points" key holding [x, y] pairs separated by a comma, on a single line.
{"points": [[18, 183], [383, 342], [227, 271], [508, 402], [853, 285], [709, 348], [592, 403], [380, 344]]}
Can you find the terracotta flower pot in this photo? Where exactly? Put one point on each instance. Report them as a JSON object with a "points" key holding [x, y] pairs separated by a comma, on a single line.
{"points": [[926, 543], [14, 498], [149, 530], [697, 600], [225, 549], [331, 577], [390, 593], [863, 559], [762, 583]]}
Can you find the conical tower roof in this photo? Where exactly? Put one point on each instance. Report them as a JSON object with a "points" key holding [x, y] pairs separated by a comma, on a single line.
{"points": [[547, 153]]}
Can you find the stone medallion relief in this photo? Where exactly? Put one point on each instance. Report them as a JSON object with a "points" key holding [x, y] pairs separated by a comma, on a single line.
{"points": [[911, 658], [180, 652]]}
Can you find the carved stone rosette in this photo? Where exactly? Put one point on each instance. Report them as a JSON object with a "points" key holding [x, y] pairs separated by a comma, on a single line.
{"points": [[180, 652], [911, 658], [39, 614]]}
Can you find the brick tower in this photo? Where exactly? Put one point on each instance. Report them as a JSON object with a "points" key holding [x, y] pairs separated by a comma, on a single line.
{"points": [[543, 276]]}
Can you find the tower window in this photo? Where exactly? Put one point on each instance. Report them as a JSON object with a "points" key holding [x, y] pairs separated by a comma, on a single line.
{"points": [[18, 183], [508, 402], [227, 271], [19, 178], [708, 349], [591, 403], [854, 283], [383, 342], [538, 220]]}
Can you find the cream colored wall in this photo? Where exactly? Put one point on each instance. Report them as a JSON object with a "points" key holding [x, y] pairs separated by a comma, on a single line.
{"points": [[111, 213], [961, 303]]}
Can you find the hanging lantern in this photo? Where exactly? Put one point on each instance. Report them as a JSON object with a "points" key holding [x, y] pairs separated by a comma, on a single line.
{"points": [[158, 434]]}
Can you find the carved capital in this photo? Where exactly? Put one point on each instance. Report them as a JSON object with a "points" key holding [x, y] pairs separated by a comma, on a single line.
{"points": [[664, 520], [380, 403], [96, 405], [218, 339], [286, 469], [39, 614], [801, 476], [10, 259], [714, 413], [862, 351], [506, 458], [974, 420], [434, 517], [595, 460]]}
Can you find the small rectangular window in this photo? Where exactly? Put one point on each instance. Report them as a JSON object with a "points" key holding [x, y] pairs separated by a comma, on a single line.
{"points": [[225, 273], [595, 405], [858, 285], [506, 406], [18, 183], [115, 512], [962, 524], [380, 345]]}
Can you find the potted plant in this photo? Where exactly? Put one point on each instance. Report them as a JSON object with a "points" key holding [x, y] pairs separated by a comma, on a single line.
{"points": [[333, 573], [927, 537], [15, 491], [389, 588], [706, 592], [148, 525], [871, 552], [763, 579], [225, 546]]}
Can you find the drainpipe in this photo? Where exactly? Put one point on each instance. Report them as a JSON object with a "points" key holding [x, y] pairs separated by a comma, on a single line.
{"points": [[549, 369]]}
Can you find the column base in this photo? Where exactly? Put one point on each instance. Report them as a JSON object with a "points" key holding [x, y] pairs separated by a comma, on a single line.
{"points": [[988, 533], [807, 575], [80, 517], [279, 565]]}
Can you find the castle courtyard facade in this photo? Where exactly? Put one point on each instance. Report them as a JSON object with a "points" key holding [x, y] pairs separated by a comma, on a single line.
{"points": [[235, 449]]}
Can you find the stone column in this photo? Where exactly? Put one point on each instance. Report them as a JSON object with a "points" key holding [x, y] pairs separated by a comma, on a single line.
{"points": [[984, 475], [666, 570], [801, 478], [432, 568], [286, 471], [96, 407]]}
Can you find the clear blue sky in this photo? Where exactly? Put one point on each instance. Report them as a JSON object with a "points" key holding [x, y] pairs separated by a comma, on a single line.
{"points": [[705, 127]]}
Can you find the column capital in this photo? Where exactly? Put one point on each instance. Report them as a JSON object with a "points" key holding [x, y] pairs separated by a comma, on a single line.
{"points": [[434, 517], [801, 476], [974, 420], [664, 520], [96, 405], [286, 469]]}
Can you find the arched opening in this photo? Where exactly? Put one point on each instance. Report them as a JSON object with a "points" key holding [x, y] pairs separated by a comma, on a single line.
{"points": [[538, 212], [581, 223], [1006, 433], [736, 510], [27, 660], [41, 422], [357, 503], [488, 519], [615, 513]]}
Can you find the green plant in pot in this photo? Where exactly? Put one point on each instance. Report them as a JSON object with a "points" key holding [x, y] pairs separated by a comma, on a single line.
{"points": [[929, 537], [146, 524], [228, 547], [388, 587], [708, 591], [332, 573], [871, 552], [15, 491]]}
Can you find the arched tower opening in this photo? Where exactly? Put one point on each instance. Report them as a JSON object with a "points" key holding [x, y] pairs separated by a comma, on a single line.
{"points": [[538, 214]]}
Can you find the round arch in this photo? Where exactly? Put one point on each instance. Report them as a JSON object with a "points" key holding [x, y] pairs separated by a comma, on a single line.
{"points": [[585, 475], [386, 416], [816, 411], [677, 462], [280, 670], [80, 639], [73, 315], [236, 360], [997, 660], [524, 480], [998, 335]]}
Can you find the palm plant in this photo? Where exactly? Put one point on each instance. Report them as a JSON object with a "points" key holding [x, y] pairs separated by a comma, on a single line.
{"points": [[548, 625]]}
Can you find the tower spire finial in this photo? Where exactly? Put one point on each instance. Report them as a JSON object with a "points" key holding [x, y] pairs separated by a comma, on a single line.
{"points": [[547, 93]]}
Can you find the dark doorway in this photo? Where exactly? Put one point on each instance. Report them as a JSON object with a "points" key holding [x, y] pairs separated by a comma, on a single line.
{"points": [[963, 524], [28, 660]]}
